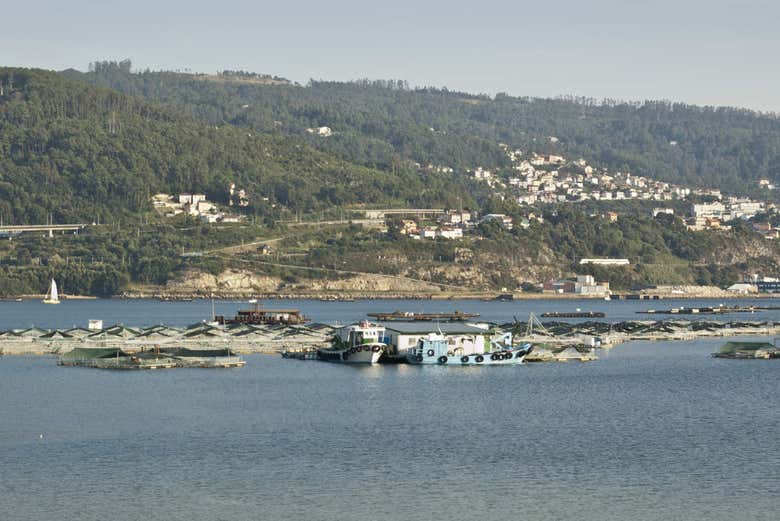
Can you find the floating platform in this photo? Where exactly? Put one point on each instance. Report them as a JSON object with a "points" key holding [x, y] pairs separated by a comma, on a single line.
{"points": [[575, 314], [748, 351], [408, 316], [301, 354], [553, 353], [259, 315], [718, 310], [116, 358]]}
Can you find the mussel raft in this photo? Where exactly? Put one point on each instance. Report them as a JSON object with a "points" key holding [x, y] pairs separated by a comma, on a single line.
{"points": [[115, 358]]}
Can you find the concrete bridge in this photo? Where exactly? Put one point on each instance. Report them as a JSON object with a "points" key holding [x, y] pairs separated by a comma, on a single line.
{"points": [[47, 228], [383, 212]]}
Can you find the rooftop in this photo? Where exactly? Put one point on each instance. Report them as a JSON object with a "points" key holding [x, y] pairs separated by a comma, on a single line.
{"points": [[411, 328]]}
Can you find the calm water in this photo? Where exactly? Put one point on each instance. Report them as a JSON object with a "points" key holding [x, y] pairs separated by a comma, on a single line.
{"points": [[151, 312], [650, 431]]}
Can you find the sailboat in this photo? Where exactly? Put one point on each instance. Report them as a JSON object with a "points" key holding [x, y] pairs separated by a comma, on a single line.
{"points": [[52, 297]]}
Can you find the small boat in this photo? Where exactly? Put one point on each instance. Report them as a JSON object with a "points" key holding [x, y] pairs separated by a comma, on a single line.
{"points": [[52, 297], [362, 343], [435, 350]]}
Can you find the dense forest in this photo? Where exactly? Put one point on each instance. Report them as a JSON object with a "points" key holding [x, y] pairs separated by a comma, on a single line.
{"points": [[377, 123], [73, 152]]}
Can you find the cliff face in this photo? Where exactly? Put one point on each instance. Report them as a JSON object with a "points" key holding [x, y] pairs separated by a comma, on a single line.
{"points": [[229, 281], [243, 282], [742, 249]]}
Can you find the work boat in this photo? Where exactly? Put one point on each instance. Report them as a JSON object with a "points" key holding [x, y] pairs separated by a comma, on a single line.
{"points": [[362, 343], [434, 349]]}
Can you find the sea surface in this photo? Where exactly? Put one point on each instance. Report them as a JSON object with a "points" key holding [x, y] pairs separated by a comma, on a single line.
{"points": [[650, 431], [149, 312]]}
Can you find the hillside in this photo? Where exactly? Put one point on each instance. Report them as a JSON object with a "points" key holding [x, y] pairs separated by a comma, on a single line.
{"points": [[81, 153], [377, 123], [73, 148]]}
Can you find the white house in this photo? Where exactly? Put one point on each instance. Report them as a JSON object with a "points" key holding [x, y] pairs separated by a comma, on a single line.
{"points": [[450, 233]]}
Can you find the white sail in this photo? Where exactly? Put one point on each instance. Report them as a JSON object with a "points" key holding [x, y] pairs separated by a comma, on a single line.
{"points": [[52, 297]]}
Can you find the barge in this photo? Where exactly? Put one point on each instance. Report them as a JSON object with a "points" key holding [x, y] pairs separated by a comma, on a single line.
{"points": [[748, 350], [575, 314], [408, 316], [117, 358], [258, 315]]}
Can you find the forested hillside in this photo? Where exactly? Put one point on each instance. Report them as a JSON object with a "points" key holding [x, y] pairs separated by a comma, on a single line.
{"points": [[76, 152], [95, 146], [377, 123]]}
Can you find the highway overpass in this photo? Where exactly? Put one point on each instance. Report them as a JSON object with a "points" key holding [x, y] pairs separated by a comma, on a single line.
{"points": [[45, 228]]}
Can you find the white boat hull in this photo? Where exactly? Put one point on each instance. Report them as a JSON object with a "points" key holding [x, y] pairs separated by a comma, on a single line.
{"points": [[367, 354]]}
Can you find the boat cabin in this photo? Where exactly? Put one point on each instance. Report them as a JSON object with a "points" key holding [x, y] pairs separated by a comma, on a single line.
{"points": [[433, 345], [461, 338], [360, 334]]}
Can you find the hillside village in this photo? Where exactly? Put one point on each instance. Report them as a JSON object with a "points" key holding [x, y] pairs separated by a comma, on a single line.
{"points": [[536, 179], [199, 207]]}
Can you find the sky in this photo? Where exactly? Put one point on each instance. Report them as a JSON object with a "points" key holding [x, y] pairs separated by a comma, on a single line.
{"points": [[713, 52]]}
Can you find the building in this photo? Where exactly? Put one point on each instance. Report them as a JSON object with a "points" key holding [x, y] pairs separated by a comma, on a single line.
{"points": [[463, 338], [193, 199], [408, 227], [195, 205], [716, 209], [768, 286], [587, 285], [503, 220], [583, 285], [449, 233], [320, 131], [559, 286], [605, 262], [455, 217], [428, 233]]}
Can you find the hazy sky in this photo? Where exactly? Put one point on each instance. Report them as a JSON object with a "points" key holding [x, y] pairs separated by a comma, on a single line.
{"points": [[714, 52]]}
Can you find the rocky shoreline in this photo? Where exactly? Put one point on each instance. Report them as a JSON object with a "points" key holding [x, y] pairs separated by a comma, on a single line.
{"points": [[336, 297]]}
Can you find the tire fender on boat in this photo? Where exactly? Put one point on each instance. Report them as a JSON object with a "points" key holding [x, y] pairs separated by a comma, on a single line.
{"points": [[431, 352], [442, 360], [479, 359], [375, 349], [464, 359]]}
